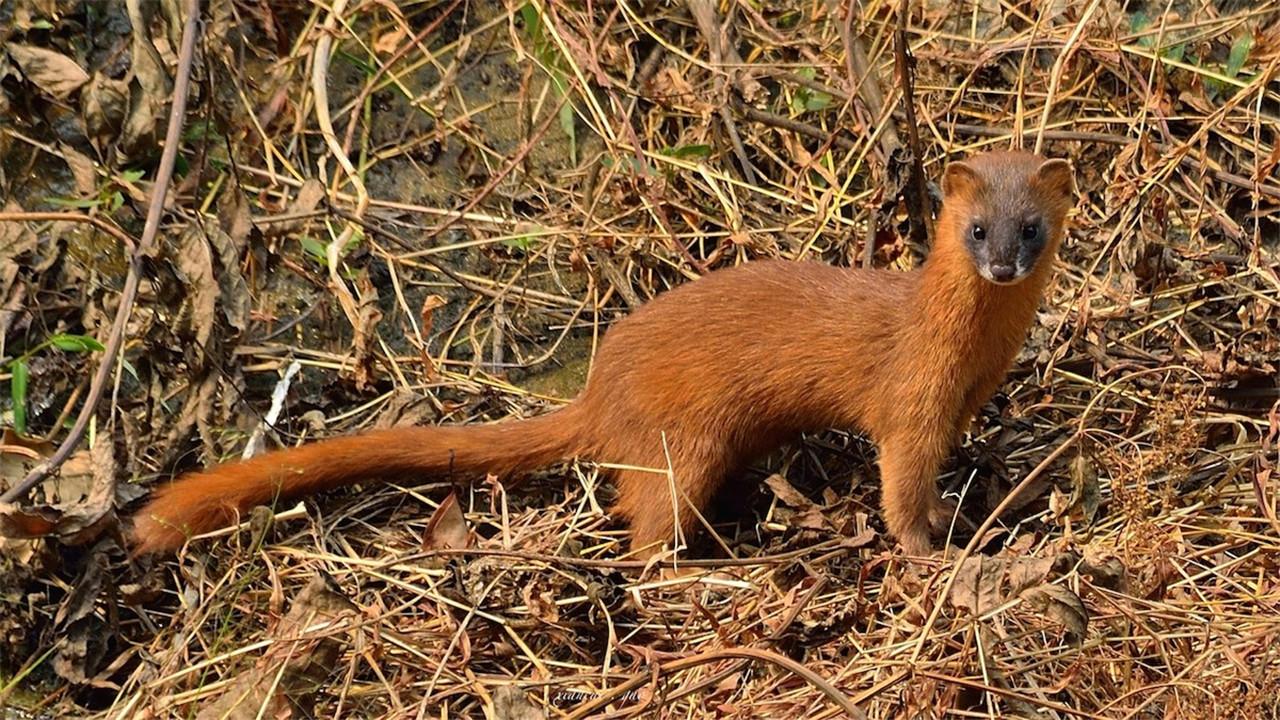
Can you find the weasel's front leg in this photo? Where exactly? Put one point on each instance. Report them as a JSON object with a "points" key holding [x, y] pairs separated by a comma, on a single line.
{"points": [[909, 465]]}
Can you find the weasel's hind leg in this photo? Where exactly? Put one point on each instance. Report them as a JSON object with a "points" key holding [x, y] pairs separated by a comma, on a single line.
{"points": [[645, 502]]}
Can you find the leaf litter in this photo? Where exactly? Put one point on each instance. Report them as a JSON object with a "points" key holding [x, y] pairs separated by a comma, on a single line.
{"points": [[1136, 582]]}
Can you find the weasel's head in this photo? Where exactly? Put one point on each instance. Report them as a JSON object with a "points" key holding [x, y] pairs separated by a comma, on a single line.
{"points": [[1008, 209]]}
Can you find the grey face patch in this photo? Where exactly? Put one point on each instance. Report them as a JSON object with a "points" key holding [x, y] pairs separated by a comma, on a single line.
{"points": [[1006, 234], [1006, 251]]}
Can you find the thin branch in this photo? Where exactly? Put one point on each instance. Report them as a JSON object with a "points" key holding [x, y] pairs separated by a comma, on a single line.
{"points": [[915, 193], [155, 209]]}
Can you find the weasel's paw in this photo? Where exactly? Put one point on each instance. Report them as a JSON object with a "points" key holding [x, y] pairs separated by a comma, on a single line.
{"points": [[916, 543]]}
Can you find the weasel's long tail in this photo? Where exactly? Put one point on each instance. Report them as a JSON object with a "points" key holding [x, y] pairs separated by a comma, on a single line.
{"points": [[216, 497]]}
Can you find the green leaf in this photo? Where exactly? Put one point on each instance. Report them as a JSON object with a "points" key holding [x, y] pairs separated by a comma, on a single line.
{"points": [[532, 20], [18, 391], [520, 242], [1175, 53], [76, 343], [129, 368], [73, 203], [686, 152], [199, 130], [359, 62], [533, 27], [1239, 54], [627, 165], [132, 176], [1140, 21], [1137, 23], [566, 124], [315, 249], [817, 100]]}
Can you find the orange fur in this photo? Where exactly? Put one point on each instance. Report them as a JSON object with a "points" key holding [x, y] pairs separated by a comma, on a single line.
{"points": [[713, 374]]}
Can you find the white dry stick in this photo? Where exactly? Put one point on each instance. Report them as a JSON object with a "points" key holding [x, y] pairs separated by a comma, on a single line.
{"points": [[254, 446]]}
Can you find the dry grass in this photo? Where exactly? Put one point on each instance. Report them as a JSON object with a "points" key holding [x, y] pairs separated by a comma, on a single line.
{"points": [[484, 253]]}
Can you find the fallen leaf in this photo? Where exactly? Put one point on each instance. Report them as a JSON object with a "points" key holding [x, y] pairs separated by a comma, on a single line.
{"points": [[49, 70], [447, 527], [541, 603], [1062, 605], [233, 291], [235, 218], [814, 518], [1105, 572], [977, 584], [11, 441], [430, 304], [366, 329], [16, 241], [510, 703], [1085, 493], [389, 42], [193, 260], [406, 408], [83, 171], [786, 492], [1024, 572], [27, 522], [82, 501], [984, 583], [104, 103], [304, 203], [286, 679], [149, 88], [82, 631]]}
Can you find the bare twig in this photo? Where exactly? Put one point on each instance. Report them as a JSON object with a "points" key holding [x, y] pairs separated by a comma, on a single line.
{"points": [[916, 195], [155, 209], [721, 51]]}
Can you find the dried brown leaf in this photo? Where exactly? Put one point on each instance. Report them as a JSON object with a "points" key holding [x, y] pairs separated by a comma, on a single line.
{"points": [[235, 218], [104, 104], [150, 87], [447, 527], [510, 703], [984, 583], [194, 262], [233, 291], [786, 492], [285, 680], [977, 584], [83, 171], [1062, 605], [309, 196], [51, 71], [83, 647], [388, 42]]}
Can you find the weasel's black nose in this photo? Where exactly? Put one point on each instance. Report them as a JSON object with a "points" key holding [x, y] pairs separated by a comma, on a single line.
{"points": [[1002, 273]]}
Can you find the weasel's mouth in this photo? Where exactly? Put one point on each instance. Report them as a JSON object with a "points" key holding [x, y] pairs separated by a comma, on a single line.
{"points": [[1003, 274]]}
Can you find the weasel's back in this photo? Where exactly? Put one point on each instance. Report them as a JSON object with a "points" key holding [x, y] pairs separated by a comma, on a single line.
{"points": [[763, 346]]}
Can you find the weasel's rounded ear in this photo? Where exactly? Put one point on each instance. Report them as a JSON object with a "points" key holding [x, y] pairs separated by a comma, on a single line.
{"points": [[959, 178], [1056, 176]]}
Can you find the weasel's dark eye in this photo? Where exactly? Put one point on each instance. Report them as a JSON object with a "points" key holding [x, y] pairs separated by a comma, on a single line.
{"points": [[1030, 231], [979, 233]]}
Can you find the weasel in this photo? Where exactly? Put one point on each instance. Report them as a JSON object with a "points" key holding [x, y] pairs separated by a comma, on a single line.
{"points": [[717, 372]]}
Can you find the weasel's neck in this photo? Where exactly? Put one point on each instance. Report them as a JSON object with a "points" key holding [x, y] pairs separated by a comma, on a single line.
{"points": [[954, 304]]}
